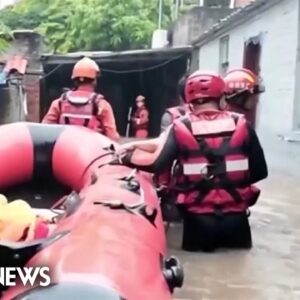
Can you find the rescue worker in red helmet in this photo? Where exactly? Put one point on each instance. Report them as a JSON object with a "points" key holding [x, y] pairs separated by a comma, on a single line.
{"points": [[83, 106], [241, 87], [164, 181], [220, 158], [140, 120]]}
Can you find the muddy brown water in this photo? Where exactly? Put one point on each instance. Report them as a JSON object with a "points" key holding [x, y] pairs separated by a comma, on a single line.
{"points": [[271, 270]]}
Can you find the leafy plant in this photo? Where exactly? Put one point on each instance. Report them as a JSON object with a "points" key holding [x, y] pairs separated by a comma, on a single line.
{"points": [[5, 36], [73, 25]]}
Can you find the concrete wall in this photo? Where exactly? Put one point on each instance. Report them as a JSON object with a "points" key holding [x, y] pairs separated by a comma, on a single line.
{"points": [[279, 26], [191, 25], [297, 89]]}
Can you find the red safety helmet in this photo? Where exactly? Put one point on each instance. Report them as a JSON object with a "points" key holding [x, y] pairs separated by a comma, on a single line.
{"points": [[203, 85], [86, 68], [241, 80]]}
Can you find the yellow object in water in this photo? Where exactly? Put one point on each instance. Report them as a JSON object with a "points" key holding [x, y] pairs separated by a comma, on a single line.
{"points": [[15, 218]]}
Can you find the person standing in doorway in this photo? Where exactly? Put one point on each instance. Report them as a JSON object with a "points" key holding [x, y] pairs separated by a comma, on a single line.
{"points": [[140, 120]]}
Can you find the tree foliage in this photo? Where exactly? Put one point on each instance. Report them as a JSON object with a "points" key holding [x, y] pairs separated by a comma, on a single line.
{"points": [[5, 36], [72, 25]]}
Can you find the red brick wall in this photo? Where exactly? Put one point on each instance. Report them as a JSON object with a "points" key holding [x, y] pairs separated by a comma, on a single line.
{"points": [[32, 88], [28, 45]]}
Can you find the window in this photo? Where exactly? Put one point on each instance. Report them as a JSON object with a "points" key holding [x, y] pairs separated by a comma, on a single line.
{"points": [[217, 3], [224, 54]]}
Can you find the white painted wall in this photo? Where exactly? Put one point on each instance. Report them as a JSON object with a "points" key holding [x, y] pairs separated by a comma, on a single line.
{"points": [[209, 56], [278, 61], [4, 3]]}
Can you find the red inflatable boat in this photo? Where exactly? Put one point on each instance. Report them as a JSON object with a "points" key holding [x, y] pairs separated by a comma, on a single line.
{"points": [[109, 243]]}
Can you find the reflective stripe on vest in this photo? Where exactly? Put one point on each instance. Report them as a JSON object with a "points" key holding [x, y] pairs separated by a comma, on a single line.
{"points": [[78, 116], [202, 168]]}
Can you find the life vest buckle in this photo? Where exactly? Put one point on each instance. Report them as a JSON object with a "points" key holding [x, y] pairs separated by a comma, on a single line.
{"points": [[213, 170]]}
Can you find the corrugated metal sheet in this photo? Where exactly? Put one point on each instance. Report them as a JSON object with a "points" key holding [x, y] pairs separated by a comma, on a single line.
{"points": [[114, 57], [16, 63]]}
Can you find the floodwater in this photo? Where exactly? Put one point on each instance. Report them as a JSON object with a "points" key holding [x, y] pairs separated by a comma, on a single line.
{"points": [[271, 270]]}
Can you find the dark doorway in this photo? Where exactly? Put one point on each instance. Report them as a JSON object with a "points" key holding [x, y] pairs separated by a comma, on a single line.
{"points": [[152, 73], [252, 54]]}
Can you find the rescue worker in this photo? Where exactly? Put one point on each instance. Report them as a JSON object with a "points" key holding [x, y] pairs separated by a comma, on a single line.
{"points": [[220, 158], [83, 106], [140, 120], [18, 222], [241, 87], [164, 181]]}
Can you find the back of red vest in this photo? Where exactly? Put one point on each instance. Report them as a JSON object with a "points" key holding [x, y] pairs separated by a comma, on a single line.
{"points": [[214, 162], [80, 108]]}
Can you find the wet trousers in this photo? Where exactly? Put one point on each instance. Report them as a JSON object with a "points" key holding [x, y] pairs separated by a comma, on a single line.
{"points": [[207, 232]]}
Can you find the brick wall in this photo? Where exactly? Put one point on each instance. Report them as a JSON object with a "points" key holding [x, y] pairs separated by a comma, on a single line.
{"points": [[32, 88], [32, 77], [28, 44]]}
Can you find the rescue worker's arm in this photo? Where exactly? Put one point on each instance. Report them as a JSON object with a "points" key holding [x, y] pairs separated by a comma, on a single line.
{"points": [[257, 162], [158, 161], [148, 145], [53, 114], [166, 121], [108, 121]]}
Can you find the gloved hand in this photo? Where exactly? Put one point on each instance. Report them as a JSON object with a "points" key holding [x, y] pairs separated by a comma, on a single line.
{"points": [[120, 152], [162, 191]]}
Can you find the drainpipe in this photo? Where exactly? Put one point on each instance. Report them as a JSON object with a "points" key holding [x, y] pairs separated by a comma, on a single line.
{"points": [[232, 4], [176, 9], [160, 12]]}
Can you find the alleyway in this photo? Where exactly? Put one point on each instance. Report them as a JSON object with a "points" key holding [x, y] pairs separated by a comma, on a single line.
{"points": [[271, 270]]}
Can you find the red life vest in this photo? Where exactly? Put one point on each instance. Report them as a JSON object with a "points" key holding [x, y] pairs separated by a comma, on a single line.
{"points": [[214, 166], [137, 115], [80, 108]]}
